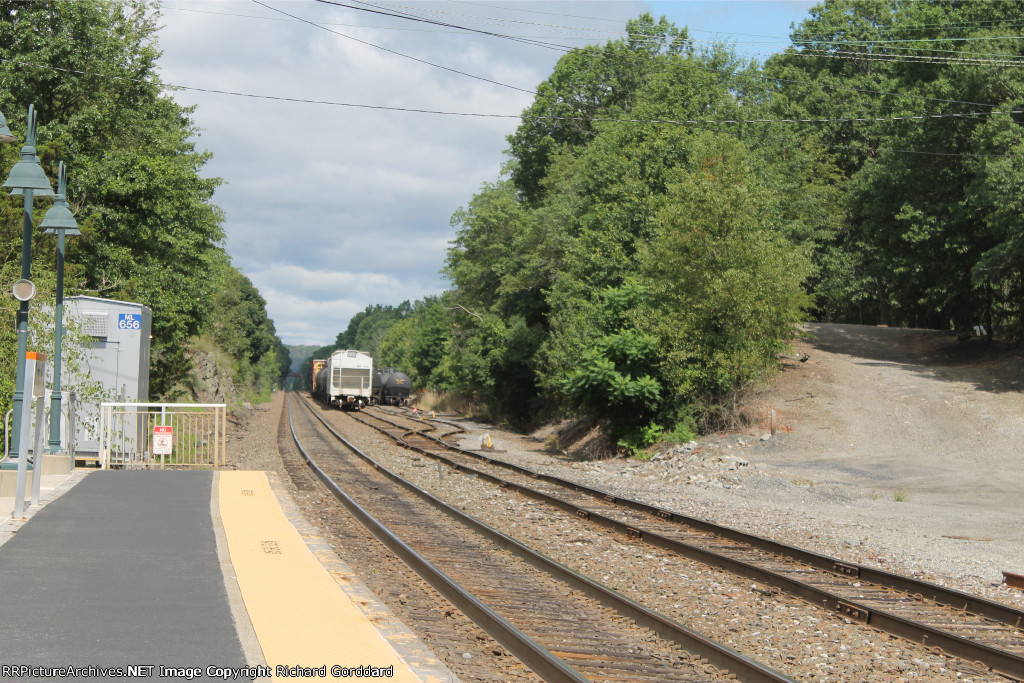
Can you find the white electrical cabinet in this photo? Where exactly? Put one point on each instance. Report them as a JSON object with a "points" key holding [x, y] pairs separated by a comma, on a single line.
{"points": [[116, 355]]}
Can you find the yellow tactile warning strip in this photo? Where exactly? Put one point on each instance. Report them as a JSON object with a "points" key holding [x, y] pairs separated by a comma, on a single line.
{"points": [[408, 645], [301, 616]]}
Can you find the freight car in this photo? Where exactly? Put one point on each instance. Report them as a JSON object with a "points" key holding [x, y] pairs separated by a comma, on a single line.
{"points": [[346, 380], [315, 366], [391, 387]]}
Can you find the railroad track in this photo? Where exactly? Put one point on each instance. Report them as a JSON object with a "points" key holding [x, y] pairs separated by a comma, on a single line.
{"points": [[562, 625], [948, 622], [466, 649]]}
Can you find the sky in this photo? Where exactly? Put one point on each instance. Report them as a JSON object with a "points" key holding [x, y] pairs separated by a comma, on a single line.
{"points": [[334, 197]]}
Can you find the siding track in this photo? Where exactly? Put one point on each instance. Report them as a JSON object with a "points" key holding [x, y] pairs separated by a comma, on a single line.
{"points": [[979, 631]]}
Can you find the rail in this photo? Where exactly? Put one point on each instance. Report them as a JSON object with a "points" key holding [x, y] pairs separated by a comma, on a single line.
{"points": [[197, 435], [715, 653], [1007, 662]]}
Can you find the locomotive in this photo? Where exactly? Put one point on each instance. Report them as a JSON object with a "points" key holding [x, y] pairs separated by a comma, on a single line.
{"points": [[344, 380], [391, 387]]}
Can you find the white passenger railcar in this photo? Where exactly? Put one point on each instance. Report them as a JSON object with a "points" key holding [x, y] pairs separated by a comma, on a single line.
{"points": [[346, 380]]}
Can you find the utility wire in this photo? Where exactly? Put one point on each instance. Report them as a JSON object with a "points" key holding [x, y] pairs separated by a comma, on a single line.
{"points": [[987, 23], [882, 41], [565, 48], [684, 122], [572, 33], [609, 34], [479, 18], [728, 73], [411, 17], [532, 11], [585, 33], [170, 86], [394, 52], [1005, 55], [966, 25], [908, 59], [573, 30]]}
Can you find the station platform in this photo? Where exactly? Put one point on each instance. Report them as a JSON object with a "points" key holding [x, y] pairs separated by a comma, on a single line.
{"points": [[187, 575]]}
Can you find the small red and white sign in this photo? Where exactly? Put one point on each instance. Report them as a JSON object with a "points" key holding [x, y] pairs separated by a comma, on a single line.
{"points": [[162, 437]]}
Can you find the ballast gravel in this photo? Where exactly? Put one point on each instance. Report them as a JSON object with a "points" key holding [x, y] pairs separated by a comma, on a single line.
{"points": [[719, 480]]}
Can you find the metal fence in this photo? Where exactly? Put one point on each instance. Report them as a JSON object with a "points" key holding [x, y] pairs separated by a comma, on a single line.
{"points": [[128, 438]]}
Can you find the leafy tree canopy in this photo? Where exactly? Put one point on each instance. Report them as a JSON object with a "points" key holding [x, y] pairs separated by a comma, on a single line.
{"points": [[151, 232]]}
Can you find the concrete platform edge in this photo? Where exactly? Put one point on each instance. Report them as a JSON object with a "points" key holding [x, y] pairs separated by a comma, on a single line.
{"points": [[246, 634], [414, 651]]}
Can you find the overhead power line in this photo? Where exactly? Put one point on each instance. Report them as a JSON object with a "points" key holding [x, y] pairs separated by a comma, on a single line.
{"points": [[584, 33], [725, 72], [684, 122], [533, 11], [482, 19], [394, 52], [574, 33], [370, 7], [916, 59], [885, 41], [963, 25], [987, 23], [411, 17]]}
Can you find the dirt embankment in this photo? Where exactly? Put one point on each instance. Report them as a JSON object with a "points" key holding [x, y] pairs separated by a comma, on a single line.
{"points": [[877, 416], [909, 411]]}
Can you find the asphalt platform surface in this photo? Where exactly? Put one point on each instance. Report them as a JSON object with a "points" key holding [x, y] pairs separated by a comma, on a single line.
{"points": [[120, 571]]}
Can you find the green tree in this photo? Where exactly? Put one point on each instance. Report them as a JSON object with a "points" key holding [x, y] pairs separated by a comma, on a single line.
{"points": [[725, 283], [998, 193], [366, 330], [906, 89], [590, 197], [492, 360], [239, 324], [150, 230], [613, 380], [428, 339], [588, 83], [501, 261]]}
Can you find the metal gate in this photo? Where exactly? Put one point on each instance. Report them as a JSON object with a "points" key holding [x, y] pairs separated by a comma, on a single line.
{"points": [[197, 438]]}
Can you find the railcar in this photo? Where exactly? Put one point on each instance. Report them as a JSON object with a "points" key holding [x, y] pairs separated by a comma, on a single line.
{"points": [[346, 380], [315, 366], [391, 387]]}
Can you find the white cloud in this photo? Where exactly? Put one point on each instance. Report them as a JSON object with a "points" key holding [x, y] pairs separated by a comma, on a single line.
{"points": [[313, 306]]}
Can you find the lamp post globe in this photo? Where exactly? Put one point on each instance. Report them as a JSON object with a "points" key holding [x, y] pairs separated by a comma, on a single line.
{"points": [[5, 133]]}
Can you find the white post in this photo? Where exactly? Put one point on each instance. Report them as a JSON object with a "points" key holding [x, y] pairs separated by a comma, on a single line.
{"points": [[218, 454], [37, 455], [25, 431], [103, 436]]}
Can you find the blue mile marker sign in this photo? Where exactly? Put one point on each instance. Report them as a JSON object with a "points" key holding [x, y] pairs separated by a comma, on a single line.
{"points": [[129, 321]]}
